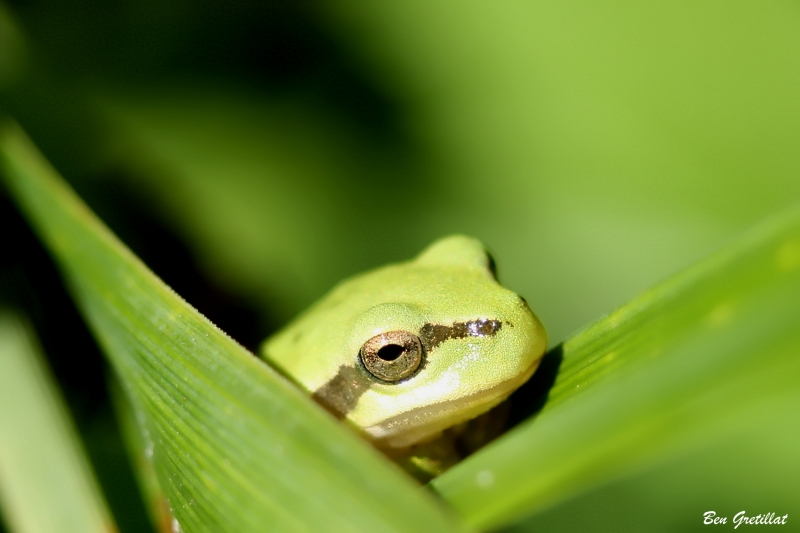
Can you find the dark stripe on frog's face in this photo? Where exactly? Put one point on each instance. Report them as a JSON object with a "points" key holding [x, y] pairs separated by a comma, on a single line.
{"points": [[340, 395], [435, 334]]}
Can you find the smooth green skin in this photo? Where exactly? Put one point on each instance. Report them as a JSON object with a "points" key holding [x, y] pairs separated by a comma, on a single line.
{"points": [[449, 282]]}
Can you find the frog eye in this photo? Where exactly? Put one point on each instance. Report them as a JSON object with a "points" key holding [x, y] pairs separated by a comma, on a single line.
{"points": [[392, 356]]}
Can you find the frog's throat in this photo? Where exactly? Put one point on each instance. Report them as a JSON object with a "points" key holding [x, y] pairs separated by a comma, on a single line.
{"points": [[427, 421]]}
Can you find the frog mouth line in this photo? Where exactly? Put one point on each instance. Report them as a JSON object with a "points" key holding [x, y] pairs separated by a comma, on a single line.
{"points": [[400, 431]]}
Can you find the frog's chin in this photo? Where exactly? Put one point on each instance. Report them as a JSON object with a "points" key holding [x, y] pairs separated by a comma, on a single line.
{"points": [[425, 423]]}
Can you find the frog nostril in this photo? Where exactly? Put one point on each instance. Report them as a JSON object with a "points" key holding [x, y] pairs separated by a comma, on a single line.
{"points": [[392, 356]]}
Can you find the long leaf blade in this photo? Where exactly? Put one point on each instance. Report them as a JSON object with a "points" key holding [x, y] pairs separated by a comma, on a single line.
{"points": [[235, 446], [695, 360]]}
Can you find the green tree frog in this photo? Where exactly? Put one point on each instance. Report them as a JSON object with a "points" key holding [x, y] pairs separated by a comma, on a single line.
{"points": [[410, 352]]}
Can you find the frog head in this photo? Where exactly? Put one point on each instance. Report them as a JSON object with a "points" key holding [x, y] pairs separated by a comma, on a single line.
{"points": [[408, 350]]}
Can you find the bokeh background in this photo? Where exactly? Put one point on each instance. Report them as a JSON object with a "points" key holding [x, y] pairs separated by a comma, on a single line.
{"points": [[255, 153]]}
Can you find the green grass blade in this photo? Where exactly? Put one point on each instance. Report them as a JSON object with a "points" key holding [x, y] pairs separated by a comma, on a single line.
{"points": [[46, 482], [697, 360], [235, 446]]}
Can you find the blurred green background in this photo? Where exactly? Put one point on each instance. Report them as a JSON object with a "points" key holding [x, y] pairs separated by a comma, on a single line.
{"points": [[255, 153]]}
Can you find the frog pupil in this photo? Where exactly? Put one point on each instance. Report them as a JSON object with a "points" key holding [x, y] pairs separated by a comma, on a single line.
{"points": [[390, 352]]}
